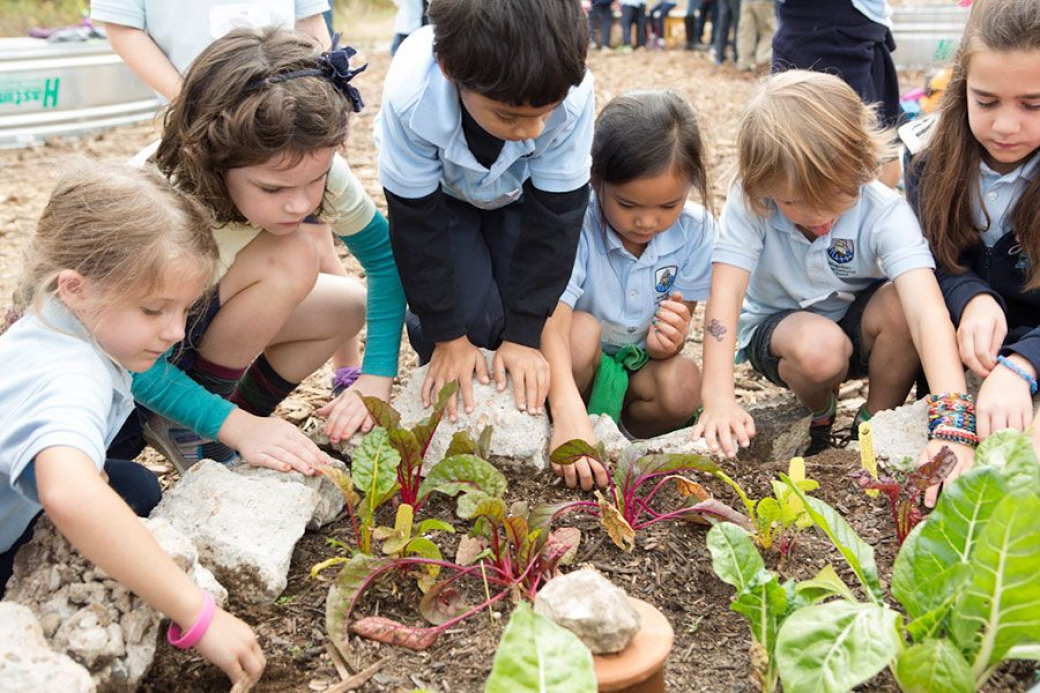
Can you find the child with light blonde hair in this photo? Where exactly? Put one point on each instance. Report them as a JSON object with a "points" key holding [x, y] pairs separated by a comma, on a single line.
{"points": [[835, 277], [117, 261]]}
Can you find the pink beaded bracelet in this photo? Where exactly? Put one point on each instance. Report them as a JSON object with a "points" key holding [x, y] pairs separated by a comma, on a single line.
{"points": [[188, 640]]}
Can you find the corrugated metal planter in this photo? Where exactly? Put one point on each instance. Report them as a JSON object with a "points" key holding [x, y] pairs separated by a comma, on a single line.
{"points": [[64, 89]]}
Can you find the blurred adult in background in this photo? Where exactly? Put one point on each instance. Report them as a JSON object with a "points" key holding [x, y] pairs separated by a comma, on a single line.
{"points": [[849, 38], [755, 35], [728, 14], [601, 14], [410, 16], [697, 14]]}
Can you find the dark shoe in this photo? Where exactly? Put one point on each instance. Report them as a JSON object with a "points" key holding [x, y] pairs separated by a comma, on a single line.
{"points": [[820, 436]]}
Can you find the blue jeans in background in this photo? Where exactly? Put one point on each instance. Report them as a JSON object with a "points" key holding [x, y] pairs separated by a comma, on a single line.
{"points": [[602, 16], [633, 14], [727, 12]]}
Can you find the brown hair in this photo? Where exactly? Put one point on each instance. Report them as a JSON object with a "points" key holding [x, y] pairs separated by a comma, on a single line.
{"points": [[645, 132], [229, 116], [120, 227], [950, 178], [811, 131]]}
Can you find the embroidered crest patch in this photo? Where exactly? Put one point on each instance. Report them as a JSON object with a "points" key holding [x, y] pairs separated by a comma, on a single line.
{"points": [[842, 250], [664, 277]]}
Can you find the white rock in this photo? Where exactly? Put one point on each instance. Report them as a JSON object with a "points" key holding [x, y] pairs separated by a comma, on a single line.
{"points": [[244, 528], [900, 432], [330, 500], [590, 606], [115, 633], [518, 437], [28, 664]]}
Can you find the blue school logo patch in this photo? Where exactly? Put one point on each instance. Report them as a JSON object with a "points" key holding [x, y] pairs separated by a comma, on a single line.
{"points": [[664, 277], [842, 250]]}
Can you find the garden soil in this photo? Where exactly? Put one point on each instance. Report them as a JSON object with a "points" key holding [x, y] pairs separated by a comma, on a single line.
{"points": [[670, 566]]}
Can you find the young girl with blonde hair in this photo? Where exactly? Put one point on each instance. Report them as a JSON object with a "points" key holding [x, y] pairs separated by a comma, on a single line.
{"points": [[977, 193], [117, 261], [256, 134], [835, 277]]}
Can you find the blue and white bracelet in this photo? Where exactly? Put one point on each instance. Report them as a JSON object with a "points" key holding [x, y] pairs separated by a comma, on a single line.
{"points": [[1015, 368]]}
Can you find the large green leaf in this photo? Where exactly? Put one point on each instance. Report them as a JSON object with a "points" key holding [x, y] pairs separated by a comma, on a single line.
{"points": [[857, 553], [407, 447], [374, 466], [1011, 452], [538, 656], [734, 557], [834, 647], [424, 430], [933, 562], [573, 451], [934, 666], [463, 474], [384, 415], [999, 607]]}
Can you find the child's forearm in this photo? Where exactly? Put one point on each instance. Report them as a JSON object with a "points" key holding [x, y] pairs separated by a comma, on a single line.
{"points": [[931, 330], [721, 316], [103, 528], [145, 59], [564, 399]]}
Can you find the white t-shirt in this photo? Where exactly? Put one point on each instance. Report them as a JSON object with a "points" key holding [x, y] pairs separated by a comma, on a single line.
{"points": [[183, 28]]}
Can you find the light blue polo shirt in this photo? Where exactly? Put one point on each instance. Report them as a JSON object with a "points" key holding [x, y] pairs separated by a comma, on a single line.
{"points": [[58, 389], [1000, 193], [878, 238], [422, 147], [623, 291]]}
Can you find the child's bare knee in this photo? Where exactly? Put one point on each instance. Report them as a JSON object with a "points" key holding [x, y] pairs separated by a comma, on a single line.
{"points": [[293, 264], [822, 356], [679, 388]]}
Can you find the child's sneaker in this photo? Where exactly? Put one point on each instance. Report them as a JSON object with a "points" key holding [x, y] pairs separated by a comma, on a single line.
{"points": [[821, 437], [180, 446]]}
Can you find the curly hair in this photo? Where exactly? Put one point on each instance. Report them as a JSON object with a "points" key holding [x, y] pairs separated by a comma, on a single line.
{"points": [[230, 115]]}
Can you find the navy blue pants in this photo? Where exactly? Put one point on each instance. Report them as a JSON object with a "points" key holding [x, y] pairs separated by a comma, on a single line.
{"points": [[633, 14], [727, 13], [135, 484], [603, 17], [482, 244]]}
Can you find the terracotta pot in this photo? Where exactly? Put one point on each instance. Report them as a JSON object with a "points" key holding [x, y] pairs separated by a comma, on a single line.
{"points": [[639, 668]]}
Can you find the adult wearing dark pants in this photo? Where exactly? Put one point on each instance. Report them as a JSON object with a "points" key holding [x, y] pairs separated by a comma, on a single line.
{"points": [[600, 15], [728, 14], [633, 12], [656, 18], [697, 14], [850, 38], [135, 484]]}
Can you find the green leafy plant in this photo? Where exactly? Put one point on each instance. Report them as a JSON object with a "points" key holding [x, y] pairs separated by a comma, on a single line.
{"points": [[510, 551], [760, 597], [965, 576], [537, 656], [399, 541], [638, 478]]}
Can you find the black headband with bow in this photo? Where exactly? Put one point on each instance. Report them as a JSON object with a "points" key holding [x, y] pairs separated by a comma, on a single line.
{"points": [[333, 65]]}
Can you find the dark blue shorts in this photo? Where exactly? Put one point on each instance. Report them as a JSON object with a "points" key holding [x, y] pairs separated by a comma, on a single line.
{"points": [[761, 357]]}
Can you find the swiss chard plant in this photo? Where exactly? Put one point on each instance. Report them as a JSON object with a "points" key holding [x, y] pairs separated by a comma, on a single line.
{"points": [[965, 577], [509, 552], [537, 656], [637, 479], [905, 487], [761, 598]]}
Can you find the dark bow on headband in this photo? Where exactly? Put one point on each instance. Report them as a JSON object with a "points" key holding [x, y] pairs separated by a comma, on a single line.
{"points": [[333, 65]]}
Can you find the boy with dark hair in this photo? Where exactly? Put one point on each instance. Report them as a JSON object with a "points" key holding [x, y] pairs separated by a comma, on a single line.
{"points": [[484, 151]]}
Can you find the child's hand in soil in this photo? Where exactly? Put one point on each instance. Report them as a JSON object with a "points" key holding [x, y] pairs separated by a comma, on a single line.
{"points": [[346, 414], [724, 424], [456, 359], [981, 331], [671, 325], [965, 460], [231, 645], [267, 441], [585, 471], [1004, 400], [530, 373]]}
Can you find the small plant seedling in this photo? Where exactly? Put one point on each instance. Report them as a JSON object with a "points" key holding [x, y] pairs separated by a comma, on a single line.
{"points": [[905, 490]]}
